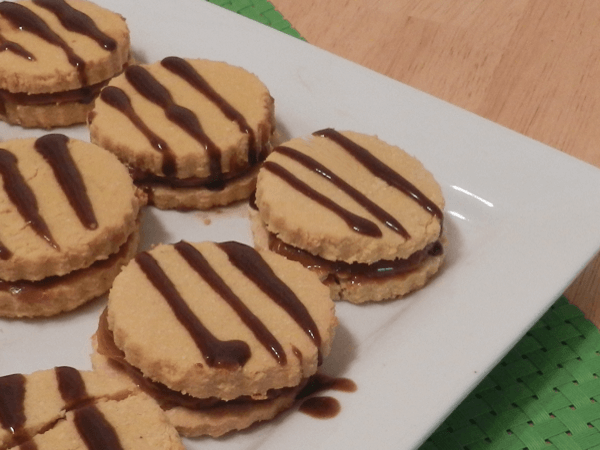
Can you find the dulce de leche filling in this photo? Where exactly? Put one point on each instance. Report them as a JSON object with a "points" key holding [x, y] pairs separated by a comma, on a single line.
{"points": [[84, 95], [339, 271], [166, 398]]}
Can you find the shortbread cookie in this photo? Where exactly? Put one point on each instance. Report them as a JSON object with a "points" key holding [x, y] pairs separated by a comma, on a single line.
{"points": [[363, 214], [56, 294], [67, 408], [64, 205], [57, 55], [192, 131], [224, 335]]}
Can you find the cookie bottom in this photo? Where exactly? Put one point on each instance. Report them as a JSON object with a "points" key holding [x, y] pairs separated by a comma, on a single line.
{"points": [[215, 420], [45, 116], [363, 289], [54, 295], [200, 198]]}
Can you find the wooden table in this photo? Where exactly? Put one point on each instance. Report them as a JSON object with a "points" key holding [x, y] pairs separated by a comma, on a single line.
{"points": [[530, 65]]}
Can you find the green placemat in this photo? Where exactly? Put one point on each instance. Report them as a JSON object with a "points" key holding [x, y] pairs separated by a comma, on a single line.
{"points": [[545, 394]]}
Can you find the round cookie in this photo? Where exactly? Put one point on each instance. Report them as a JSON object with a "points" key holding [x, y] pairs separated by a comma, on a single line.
{"points": [[375, 223], [64, 205], [233, 331], [57, 56], [191, 131]]}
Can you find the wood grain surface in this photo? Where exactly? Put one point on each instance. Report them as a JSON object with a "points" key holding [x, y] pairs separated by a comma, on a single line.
{"points": [[530, 65]]}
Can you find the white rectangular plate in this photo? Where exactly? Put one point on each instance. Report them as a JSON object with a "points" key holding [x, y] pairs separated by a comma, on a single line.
{"points": [[521, 219]]}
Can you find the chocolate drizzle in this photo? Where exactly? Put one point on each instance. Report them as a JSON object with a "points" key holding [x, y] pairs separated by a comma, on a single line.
{"points": [[25, 19], [381, 170], [199, 263], [12, 405], [254, 267], [71, 386], [77, 22], [357, 223], [5, 253], [95, 430], [54, 149], [184, 69], [22, 196], [224, 354], [314, 166], [119, 100], [184, 118], [6, 45]]}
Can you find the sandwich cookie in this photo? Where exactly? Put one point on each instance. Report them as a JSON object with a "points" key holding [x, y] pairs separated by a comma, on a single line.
{"points": [[192, 131], [67, 408], [363, 214], [55, 56], [69, 220], [221, 335]]}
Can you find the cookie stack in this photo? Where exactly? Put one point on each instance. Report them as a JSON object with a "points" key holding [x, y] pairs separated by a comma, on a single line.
{"points": [[56, 57], [193, 132], [69, 220], [363, 214], [221, 335]]}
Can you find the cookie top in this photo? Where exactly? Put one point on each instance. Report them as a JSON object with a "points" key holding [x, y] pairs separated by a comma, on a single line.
{"points": [[184, 118], [220, 320], [39, 399], [64, 204], [133, 423], [350, 197], [59, 45], [67, 408]]}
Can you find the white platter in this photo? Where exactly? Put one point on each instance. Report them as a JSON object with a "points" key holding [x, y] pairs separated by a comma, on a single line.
{"points": [[521, 217]]}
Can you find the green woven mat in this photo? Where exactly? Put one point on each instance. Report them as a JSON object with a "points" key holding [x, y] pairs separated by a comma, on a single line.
{"points": [[545, 394]]}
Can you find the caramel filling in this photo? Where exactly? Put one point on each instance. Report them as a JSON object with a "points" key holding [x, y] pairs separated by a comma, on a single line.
{"points": [[339, 271], [144, 179], [36, 291], [84, 95]]}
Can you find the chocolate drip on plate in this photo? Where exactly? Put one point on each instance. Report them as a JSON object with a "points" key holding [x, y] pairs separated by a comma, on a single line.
{"points": [[381, 170], [22, 196], [199, 263], [323, 407], [254, 267], [119, 100], [12, 404], [78, 22], [357, 223], [314, 166], [184, 69], [216, 353], [6, 45], [155, 92], [54, 149], [27, 20]]}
